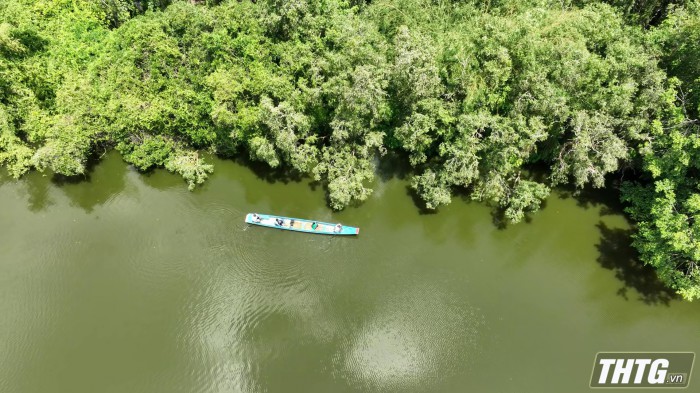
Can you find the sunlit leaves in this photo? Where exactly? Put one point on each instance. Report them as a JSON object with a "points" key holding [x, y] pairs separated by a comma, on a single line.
{"points": [[414, 74], [667, 208], [146, 152], [346, 171], [593, 150], [527, 196], [14, 154], [190, 166], [431, 189], [497, 101], [262, 149], [678, 41]]}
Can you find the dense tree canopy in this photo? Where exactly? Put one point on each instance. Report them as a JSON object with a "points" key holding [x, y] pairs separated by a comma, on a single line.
{"points": [[475, 96]]}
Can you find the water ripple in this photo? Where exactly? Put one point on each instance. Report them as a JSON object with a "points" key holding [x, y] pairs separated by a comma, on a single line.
{"points": [[415, 338]]}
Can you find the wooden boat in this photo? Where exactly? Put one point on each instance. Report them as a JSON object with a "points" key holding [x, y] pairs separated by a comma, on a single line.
{"points": [[300, 225]]}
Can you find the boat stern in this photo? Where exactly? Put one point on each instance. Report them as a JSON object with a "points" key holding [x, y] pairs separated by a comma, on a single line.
{"points": [[349, 231]]}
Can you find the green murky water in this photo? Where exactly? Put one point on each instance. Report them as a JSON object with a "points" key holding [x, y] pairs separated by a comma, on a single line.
{"points": [[130, 283]]}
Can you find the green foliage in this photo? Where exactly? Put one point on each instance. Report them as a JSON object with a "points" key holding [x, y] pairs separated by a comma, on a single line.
{"points": [[147, 153], [345, 172], [190, 166], [471, 93], [431, 189], [14, 154], [666, 202], [678, 41], [644, 12], [479, 97], [527, 196]]}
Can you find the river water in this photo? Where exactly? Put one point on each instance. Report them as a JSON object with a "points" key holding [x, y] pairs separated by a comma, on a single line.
{"points": [[126, 282]]}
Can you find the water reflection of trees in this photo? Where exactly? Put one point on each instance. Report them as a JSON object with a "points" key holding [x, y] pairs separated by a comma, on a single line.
{"points": [[618, 255], [102, 180]]}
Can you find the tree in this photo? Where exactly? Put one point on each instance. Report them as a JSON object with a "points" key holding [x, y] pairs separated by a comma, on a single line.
{"points": [[472, 94], [666, 202], [678, 41]]}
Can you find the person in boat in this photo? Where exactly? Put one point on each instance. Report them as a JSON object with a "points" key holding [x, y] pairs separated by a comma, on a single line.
{"points": [[279, 222], [314, 225], [338, 228], [256, 217]]}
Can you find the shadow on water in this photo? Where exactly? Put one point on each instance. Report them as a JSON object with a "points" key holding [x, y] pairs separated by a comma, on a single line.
{"points": [[263, 171], [608, 197], [63, 180], [92, 162], [37, 192], [161, 179], [393, 166], [34, 186], [498, 214], [418, 202], [618, 255], [501, 222], [464, 195], [99, 183]]}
